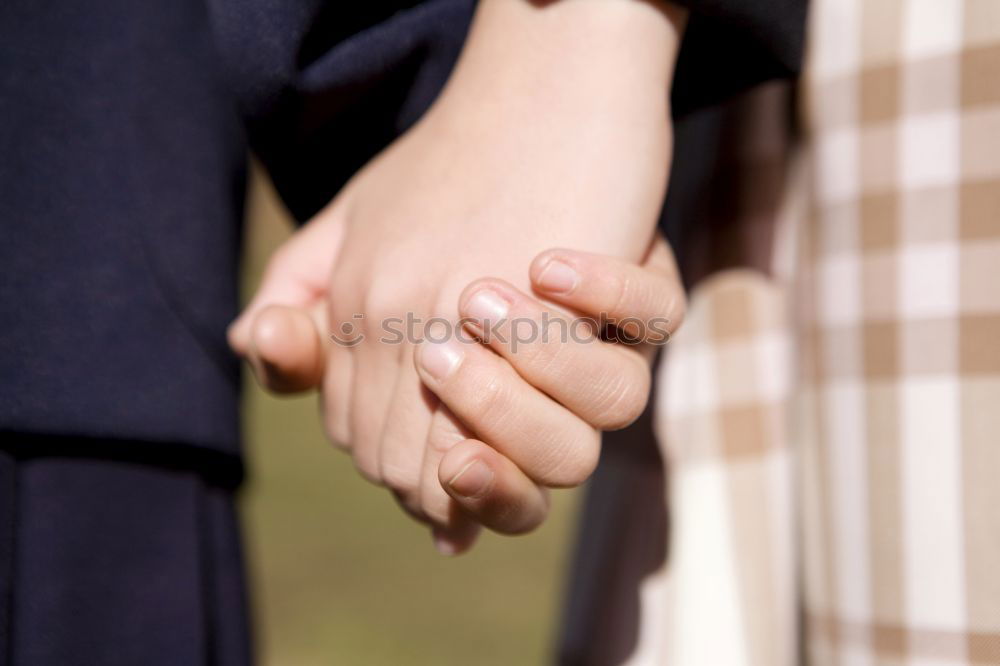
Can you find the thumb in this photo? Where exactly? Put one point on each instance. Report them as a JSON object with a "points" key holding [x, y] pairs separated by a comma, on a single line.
{"points": [[297, 274], [287, 350]]}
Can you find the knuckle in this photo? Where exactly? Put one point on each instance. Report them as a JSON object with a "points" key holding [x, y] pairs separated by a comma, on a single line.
{"points": [[367, 466], [549, 355], [577, 460], [401, 477], [543, 356], [668, 305], [342, 298], [621, 401], [620, 288], [379, 301], [677, 308], [336, 431], [410, 503], [648, 298], [435, 502], [338, 436], [489, 399], [440, 443]]}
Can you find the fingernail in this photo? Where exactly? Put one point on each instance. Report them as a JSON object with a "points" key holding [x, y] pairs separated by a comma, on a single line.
{"points": [[472, 480], [486, 305], [440, 359], [558, 277]]}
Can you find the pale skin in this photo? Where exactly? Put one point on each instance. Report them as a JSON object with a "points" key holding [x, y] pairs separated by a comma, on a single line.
{"points": [[552, 132]]}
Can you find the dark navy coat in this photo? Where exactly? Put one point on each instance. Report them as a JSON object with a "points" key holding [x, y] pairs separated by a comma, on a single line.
{"points": [[124, 132]]}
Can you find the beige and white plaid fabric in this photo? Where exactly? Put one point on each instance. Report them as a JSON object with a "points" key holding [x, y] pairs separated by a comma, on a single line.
{"points": [[831, 421]]}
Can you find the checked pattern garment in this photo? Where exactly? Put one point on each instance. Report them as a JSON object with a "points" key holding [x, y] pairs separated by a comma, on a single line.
{"points": [[829, 415]]}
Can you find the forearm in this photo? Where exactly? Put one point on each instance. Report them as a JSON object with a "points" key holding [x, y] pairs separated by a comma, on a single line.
{"points": [[570, 83], [604, 57]]}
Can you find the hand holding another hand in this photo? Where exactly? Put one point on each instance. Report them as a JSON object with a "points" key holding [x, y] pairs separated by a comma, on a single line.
{"points": [[526, 405], [553, 132]]}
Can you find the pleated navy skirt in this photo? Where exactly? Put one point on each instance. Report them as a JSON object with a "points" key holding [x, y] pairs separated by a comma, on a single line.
{"points": [[108, 558]]}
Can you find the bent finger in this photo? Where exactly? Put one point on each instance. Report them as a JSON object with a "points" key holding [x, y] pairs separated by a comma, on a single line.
{"points": [[492, 489], [607, 385], [646, 301], [549, 443]]}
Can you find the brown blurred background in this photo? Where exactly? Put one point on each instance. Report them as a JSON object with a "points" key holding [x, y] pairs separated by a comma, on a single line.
{"points": [[340, 575]]}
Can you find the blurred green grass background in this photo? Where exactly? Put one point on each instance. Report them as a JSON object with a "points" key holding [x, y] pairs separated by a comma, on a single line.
{"points": [[339, 575]]}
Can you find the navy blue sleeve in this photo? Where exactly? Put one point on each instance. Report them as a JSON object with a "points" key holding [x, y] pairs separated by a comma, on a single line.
{"points": [[326, 86], [732, 45]]}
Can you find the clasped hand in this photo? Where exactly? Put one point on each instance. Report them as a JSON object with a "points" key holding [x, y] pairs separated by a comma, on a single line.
{"points": [[452, 222]]}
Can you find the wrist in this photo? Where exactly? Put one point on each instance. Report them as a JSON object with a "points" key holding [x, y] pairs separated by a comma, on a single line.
{"points": [[562, 109], [586, 59]]}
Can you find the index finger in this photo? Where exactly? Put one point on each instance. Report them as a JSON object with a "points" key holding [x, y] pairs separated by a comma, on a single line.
{"points": [[649, 297]]}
